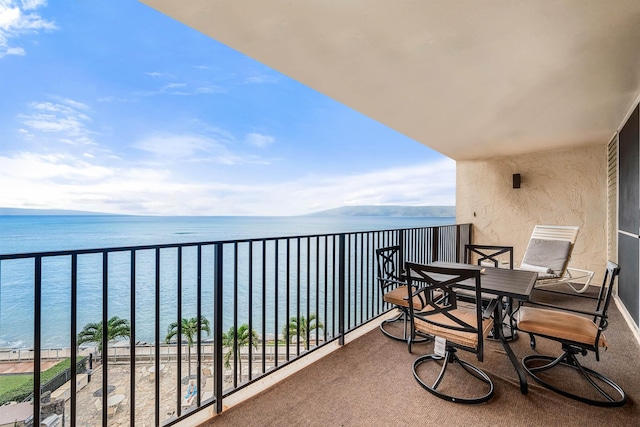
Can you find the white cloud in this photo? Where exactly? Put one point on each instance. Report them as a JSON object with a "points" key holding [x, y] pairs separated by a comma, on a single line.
{"points": [[174, 85], [33, 4], [18, 18], [261, 79], [15, 51], [65, 117], [259, 140], [183, 89], [170, 148], [66, 182]]}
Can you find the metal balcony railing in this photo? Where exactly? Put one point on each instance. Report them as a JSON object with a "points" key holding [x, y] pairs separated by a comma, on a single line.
{"points": [[266, 302]]}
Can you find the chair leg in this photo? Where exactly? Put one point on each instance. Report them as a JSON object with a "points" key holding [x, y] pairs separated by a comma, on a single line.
{"points": [[532, 341], [616, 397], [451, 357], [404, 318]]}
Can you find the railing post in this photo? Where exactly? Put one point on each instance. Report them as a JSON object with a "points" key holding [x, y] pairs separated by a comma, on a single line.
{"points": [[105, 334], [74, 338], [435, 244], [401, 244], [341, 285], [217, 327], [37, 297], [459, 253], [157, 344]]}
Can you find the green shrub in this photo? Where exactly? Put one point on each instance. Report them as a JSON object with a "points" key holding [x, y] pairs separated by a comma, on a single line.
{"points": [[21, 390]]}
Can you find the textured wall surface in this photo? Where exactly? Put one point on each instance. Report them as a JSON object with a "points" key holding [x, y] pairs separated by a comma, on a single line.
{"points": [[566, 187]]}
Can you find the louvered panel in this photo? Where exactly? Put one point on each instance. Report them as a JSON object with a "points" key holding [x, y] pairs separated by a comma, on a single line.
{"points": [[612, 201]]}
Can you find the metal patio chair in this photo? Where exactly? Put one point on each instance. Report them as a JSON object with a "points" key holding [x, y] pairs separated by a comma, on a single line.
{"points": [[494, 256], [578, 332], [455, 324], [394, 290]]}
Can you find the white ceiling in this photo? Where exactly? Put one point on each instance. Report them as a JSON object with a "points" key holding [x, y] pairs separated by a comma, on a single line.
{"points": [[471, 79]]}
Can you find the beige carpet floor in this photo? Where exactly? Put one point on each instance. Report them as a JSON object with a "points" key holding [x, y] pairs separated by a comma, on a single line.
{"points": [[369, 382]]}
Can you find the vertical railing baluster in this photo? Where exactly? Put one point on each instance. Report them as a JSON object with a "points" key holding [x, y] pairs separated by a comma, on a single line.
{"points": [[326, 286], [347, 255], [287, 307], [179, 333], [105, 333], [276, 305], [199, 335], [341, 291], [217, 324], [334, 286], [157, 339], [317, 290], [376, 245], [298, 300], [250, 343], [37, 346], [73, 330], [308, 268], [361, 290], [457, 248], [235, 314], [132, 341], [435, 256], [264, 305]]}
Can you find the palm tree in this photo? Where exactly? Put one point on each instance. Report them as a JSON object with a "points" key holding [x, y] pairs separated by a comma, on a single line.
{"points": [[229, 341], [189, 331], [291, 330], [92, 332]]}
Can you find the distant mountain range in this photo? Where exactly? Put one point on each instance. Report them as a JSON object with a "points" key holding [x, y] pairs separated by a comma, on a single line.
{"points": [[416, 211]]}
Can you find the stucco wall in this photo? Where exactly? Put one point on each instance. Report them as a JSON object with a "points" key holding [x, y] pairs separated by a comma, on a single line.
{"points": [[564, 187]]}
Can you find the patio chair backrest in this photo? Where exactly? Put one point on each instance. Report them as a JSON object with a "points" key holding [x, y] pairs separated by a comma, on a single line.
{"points": [[389, 267], [556, 232], [461, 324]]}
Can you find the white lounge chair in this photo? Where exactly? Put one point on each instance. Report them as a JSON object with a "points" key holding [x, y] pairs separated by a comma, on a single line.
{"points": [[548, 254]]}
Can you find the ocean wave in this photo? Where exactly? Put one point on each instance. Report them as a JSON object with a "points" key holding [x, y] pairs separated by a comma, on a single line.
{"points": [[12, 345]]}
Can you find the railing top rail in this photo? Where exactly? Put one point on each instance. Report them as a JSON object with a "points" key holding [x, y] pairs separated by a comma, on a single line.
{"points": [[195, 244]]}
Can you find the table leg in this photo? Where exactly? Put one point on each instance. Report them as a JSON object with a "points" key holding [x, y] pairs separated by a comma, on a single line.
{"points": [[497, 327]]}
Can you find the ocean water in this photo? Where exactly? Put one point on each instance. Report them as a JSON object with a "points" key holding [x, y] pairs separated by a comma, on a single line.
{"points": [[28, 234]]}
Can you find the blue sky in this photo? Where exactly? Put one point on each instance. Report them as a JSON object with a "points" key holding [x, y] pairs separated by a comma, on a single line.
{"points": [[110, 106]]}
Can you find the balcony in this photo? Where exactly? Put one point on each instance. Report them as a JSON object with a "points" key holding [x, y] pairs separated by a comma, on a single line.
{"points": [[369, 382], [270, 302]]}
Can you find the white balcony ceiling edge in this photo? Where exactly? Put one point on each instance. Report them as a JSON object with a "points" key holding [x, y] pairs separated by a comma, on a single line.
{"points": [[470, 79]]}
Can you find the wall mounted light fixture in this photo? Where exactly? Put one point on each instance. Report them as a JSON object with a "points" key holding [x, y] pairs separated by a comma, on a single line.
{"points": [[516, 180]]}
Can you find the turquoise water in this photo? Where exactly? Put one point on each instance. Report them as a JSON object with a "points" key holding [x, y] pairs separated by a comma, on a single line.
{"points": [[26, 234]]}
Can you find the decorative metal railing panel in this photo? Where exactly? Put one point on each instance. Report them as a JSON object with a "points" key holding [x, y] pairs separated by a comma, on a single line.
{"points": [[262, 303]]}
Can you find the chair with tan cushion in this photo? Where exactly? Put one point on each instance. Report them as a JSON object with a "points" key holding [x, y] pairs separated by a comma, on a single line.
{"points": [[394, 291], [456, 325], [578, 332]]}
